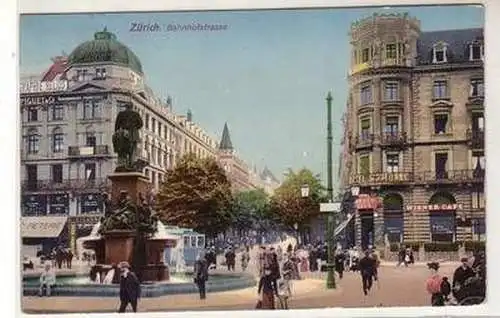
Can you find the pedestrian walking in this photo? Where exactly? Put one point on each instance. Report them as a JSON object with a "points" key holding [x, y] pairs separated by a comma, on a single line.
{"points": [[367, 269], [339, 263], [287, 270], [47, 280], [461, 276], [267, 290], [230, 259], [130, 288], [275, 266], [245, 258], [201, 275]]}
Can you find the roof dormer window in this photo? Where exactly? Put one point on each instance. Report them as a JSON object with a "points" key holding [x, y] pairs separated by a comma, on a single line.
{"points": [[439, 53], [475, 51]]}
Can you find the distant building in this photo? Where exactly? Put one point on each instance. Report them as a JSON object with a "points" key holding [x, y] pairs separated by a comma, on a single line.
{"points": [[414, 132]]}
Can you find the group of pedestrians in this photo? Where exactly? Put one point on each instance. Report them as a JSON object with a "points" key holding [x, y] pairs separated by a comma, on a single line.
{"points": [[468, 284]]}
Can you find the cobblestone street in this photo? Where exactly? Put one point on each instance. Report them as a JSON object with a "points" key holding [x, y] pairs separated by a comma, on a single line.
{"points": [[397, 287]]}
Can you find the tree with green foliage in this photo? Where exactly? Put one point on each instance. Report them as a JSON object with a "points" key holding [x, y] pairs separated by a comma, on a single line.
{"points": [[289, 205], [196, 194], [250, 209]]}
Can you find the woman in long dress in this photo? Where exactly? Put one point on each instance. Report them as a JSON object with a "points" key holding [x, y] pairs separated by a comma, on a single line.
{"points": [[267, 289]]}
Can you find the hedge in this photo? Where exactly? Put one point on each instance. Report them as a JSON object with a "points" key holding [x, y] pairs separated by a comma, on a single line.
{"points": [[474, 246], [442, 247], [394, 247]]}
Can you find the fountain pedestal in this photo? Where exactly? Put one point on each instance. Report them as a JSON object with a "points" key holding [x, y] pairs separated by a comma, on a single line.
{"points": [[118, 246]]}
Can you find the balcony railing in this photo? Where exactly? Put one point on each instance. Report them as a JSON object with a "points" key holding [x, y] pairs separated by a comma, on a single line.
{"points": [[64, 185], [364, 140], [394, 138], [475, 138], [450, 176], [86, 151], [384, 178]]}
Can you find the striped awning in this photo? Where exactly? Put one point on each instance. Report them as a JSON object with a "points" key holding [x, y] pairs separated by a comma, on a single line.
{"points": [[42, 226], [368, 202]]}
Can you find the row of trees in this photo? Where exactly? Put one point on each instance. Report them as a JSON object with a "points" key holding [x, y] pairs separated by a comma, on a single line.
{"points": [[197, 194]]}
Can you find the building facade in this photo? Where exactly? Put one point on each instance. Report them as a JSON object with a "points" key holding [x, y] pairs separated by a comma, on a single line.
{"points": [[415, 132], [67, 120]]}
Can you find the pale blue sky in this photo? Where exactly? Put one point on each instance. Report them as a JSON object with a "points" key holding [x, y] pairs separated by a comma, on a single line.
{"points": [[267, 75]]}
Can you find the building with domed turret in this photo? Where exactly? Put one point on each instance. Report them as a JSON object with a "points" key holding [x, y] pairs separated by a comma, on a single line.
{"points": [[68, 117], [414, 132]]}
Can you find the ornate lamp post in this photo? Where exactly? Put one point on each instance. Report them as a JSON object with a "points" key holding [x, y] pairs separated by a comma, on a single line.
{"points": [[331, 209]]}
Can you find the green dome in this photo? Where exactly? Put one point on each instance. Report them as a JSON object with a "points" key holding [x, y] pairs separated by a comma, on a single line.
{"points": [[105, 48]]}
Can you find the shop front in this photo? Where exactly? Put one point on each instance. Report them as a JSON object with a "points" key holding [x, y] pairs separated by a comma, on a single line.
{"points": [[393, 217], [46, 232], [91, 203], [34, 205], [366, 212], [59, 204]]}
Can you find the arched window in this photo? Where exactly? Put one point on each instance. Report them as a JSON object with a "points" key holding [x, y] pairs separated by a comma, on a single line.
{"points": [[57, 140], [393, 217], [442, 221], [33, 141]]}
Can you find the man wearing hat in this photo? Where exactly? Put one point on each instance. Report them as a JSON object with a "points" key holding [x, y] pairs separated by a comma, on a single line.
{"points": [[461, 275], [130, 287]]}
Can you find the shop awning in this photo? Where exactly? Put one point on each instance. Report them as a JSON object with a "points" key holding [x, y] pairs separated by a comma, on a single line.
{"points": [[367, 202], [42, 227]]}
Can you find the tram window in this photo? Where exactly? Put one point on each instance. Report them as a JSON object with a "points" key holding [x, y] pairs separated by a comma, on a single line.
{"points": [[193, 241], [201, 241], [186, 241]]}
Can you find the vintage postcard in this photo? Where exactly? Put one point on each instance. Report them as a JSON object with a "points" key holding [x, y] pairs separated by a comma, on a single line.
{"points": [[252, 159]]}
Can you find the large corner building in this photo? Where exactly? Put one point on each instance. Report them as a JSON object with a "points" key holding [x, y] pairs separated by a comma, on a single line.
{"points": [[414, 132]]}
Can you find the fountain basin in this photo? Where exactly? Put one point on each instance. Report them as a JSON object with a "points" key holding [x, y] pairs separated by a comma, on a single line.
{"points": [[80, 286]]}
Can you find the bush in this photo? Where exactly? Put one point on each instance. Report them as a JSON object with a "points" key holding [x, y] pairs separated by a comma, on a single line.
{"points": [[394, 247], [414, 245], [442, 247], [474, 246]]}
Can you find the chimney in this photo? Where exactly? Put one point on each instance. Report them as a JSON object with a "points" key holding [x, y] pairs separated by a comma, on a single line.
{"points": [[189, 116]]}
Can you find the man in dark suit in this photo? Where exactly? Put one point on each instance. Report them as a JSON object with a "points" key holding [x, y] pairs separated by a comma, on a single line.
{"points": [[130, 288], [367, 267], [201, 275]]}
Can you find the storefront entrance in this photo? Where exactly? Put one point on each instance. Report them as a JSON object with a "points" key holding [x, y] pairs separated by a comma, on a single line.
{"points": [[393, 217]]}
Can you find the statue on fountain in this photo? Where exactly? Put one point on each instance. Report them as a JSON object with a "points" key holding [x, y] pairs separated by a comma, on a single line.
{"points": [[125, 140]]}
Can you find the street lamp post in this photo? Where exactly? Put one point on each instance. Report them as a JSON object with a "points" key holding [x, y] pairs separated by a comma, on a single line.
{"points": [[331, 209], [304, 192]]}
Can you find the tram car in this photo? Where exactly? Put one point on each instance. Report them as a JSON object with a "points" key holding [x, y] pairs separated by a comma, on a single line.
{"points": [[189, 245]]}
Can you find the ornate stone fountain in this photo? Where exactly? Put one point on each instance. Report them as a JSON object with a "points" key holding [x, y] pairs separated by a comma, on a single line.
{"points": [[130, 231]]}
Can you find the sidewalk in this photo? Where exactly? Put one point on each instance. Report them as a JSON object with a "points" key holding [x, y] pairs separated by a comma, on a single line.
{"points": [[245, 298]]}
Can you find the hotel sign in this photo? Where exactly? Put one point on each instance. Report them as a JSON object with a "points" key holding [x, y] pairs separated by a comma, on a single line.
{"points": [[387, 177], [434, 207], [38, 100], [35, 86]]}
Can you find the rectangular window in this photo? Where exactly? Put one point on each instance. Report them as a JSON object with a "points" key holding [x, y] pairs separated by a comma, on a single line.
{"points": [[146, 122], [365, 55], [478, 201], [159, 129], [443, 227], [475, 52], [33, 143], [90, 140], [440, 123], [401, 50], [392, 162], [57, 112], [439, 55], [477, 88], [58, 142], [366, 94], [440, 89], [390, 51], [153, 124], [57, 173], [91, 109], [441, 165], [391, 91], [32, 114], [100, 73], [32, 173], [365, 128], [391, 125], [364, 165], [90, 171], [81, 75]]}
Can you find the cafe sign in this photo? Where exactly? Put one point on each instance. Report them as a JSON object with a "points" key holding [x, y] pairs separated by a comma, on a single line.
{"points": [[434, 207], [36, 86]]}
